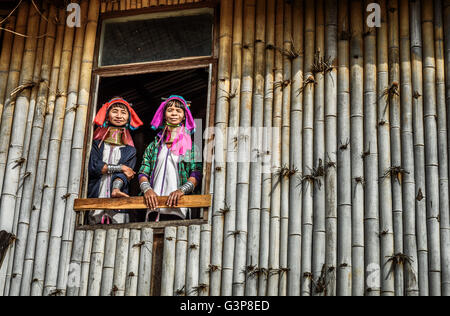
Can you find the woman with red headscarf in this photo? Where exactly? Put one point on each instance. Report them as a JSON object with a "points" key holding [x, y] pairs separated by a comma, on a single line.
{"points": [[112, 158]]}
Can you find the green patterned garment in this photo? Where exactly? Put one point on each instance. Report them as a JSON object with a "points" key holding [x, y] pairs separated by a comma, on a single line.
{"points": [[188, 166]]}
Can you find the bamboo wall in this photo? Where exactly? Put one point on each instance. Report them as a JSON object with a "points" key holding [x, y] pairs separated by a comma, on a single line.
{"points": [[357, 203]]}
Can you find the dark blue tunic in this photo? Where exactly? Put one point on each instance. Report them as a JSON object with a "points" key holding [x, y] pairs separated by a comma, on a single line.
{"points": [[127, 158]]}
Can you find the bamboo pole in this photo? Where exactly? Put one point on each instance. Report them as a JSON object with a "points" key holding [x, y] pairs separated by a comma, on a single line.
{"points": [[86, 263], [295, 159], [5, 59], [274, 236], [73, 285], [409, 217], [120, 264], [153, 3], [419, 154], [50, 196], [344, 286], [64, 222], [318, 246], [108, 261], [431, 149], [23, 207], [308, 157], [168, 265], [221, 123], [331, 146], [145, 3], [205, 257], [16, 137], [180, 261], [39, 64], [96, 264], [266, 189], [122, 5], [442, 145], [15, 67], [371, 195], [133, 263], [251, 283], [396, 159], [233, 125], [243, 168], [285, 148], [193, 260], [384, 162], [31, 204], [145, 262], [357, 146]]}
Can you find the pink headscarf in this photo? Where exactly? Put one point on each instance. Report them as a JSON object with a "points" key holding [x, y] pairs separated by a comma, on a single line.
{"points": [[182, 142]]}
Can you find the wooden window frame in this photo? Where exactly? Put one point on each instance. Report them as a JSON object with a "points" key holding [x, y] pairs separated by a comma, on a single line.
{"points": [[99, 72]]}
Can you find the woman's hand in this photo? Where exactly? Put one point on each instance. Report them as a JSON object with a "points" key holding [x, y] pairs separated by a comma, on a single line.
{"points": [[128, 172], [151, 199], [116, 193], [174, 197]]}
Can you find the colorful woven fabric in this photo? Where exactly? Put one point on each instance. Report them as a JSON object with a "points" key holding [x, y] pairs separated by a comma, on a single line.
{"points": [[187, 167]]}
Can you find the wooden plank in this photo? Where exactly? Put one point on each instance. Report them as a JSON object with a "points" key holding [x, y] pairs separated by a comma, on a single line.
{"points": [[137, 202]]}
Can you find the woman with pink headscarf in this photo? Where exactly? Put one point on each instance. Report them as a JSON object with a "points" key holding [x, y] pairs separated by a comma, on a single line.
{"points": [[169, 166]]}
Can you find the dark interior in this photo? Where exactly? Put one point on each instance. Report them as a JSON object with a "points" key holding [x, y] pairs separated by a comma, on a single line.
{"points": [[144, 92]]}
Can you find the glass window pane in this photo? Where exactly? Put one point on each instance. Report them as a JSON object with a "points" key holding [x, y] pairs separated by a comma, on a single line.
{"points": [[156, 39]]}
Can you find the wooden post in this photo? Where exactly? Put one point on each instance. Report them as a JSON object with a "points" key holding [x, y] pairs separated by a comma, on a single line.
{"points": [[5, 59]]}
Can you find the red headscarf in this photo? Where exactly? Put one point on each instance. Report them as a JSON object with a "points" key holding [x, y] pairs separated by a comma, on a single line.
{"points": [[100, 119]]}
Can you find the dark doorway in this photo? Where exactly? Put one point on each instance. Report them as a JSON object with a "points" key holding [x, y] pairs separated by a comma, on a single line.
{"points": [[144, 92]]}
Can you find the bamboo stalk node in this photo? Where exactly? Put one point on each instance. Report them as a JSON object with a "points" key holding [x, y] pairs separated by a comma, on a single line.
{"points": [[345, 145], [114, 291], [396, 171], [198, 289], [213, 268], [309, 80], [229, 95], [22, 87], [180, 292], [400, 259], [57, 292], [416, 94], [281, 84], [419, 196], [19, 162]]}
